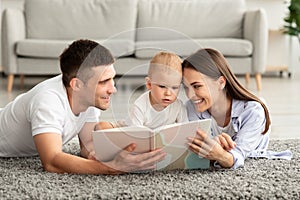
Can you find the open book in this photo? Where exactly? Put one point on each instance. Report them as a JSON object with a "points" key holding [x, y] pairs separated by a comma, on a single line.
{"points": [[172, 138]]}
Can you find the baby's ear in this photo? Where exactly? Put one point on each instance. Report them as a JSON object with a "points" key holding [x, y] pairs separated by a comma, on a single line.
{"points": [[148, 83]]}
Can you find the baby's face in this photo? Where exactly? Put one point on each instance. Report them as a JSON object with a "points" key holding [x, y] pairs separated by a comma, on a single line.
{"points": [[164, 88]]}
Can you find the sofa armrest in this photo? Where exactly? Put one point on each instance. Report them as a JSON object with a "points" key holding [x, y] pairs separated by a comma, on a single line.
{"points": [[13, 30], [256, 30]]}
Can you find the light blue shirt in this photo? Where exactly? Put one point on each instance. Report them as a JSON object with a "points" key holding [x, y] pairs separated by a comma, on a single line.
{"points": [[248, 122]]}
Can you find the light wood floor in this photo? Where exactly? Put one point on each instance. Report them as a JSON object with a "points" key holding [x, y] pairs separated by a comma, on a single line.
{"points": [[282, 95]]}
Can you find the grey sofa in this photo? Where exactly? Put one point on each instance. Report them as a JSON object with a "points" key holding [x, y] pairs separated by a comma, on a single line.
{"points": [[134, 30]]}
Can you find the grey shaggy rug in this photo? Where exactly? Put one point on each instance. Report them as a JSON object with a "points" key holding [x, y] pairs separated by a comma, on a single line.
{"points": [[24, 178]]}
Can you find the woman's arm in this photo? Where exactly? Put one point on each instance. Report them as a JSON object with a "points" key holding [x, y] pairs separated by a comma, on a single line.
{"points": [[249, 124]]}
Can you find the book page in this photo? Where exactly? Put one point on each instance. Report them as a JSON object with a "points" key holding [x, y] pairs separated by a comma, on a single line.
{"points": [[109, 142], [176, 134], [173, 140]]}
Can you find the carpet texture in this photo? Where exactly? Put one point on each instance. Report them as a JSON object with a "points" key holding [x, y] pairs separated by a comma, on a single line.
{"points": [[24, 178]]}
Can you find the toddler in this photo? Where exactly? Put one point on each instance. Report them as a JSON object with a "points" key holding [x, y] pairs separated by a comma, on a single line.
{"points": [[160, 106]]}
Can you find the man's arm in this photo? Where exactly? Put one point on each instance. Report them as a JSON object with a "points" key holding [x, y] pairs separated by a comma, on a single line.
{"points": [[49, 147]]}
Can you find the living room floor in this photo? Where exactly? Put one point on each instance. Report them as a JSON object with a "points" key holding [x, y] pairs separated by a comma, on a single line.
{"points": [[281, 94]]}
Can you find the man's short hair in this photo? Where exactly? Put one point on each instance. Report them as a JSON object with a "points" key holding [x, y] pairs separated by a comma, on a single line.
{"points": [[80, 57]]}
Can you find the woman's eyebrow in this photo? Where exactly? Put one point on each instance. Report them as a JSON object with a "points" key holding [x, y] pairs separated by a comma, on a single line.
{"points": [[196, 82]]}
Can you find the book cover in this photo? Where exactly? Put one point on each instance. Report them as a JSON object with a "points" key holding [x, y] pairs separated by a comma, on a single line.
{"points": [[171, 138]]}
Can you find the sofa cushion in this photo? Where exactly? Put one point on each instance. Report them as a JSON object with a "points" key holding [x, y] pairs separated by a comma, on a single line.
{"points": [[53, 48], [73, 19], [228, 46], [41, 48], [193, 18], [38, 66]]}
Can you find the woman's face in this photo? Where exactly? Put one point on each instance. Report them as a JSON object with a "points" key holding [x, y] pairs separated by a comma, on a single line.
{"points": [[200, 89]]}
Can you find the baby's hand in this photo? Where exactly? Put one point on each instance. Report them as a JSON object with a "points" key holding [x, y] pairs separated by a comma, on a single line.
{"points": [[92, 156], [103, 125]]}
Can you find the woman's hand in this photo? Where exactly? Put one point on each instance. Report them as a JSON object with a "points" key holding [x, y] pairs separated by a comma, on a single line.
{"points": [[225, 141], [211, 149]]}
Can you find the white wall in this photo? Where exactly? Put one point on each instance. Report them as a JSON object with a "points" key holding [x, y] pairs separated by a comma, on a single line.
{"points": [[275, 9], [283, 50]]}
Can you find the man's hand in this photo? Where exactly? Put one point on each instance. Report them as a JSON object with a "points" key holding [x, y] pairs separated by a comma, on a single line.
{"points": [[127, 161]]}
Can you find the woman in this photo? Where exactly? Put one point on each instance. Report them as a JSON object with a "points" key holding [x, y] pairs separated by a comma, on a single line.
{"points": [[240, 120]]}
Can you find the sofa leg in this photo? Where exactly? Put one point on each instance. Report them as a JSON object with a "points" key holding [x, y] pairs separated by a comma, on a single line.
{"points": [[10, 82], [22, 77], [258, 81], [247, 79]]}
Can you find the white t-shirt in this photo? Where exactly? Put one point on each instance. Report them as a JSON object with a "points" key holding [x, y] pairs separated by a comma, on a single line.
{"points": [[217, 130], [143, 114], [44, 108]]}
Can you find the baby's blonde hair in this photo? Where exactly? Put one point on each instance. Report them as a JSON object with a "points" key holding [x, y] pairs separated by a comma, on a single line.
{"points": [[166, 59]]}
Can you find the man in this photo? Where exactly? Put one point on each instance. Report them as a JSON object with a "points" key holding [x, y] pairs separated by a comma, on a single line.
{"points": [[42, 120]]}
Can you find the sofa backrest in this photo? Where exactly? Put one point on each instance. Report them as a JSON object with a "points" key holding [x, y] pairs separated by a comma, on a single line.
{"points": [[193, 18], [73, 19]]}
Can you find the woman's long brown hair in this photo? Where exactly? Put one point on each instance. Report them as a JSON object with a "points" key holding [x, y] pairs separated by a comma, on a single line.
{"points": [[212, 63]]}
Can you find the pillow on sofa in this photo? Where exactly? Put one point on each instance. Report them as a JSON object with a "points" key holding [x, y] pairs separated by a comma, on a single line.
{"points": [[73, 19], [194, 18]]}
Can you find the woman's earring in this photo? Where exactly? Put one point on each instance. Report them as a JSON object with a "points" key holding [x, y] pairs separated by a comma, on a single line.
{"points": [[222, 86]]}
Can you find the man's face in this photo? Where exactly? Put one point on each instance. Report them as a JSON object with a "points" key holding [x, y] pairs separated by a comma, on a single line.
{"points": [[100, 87]]}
